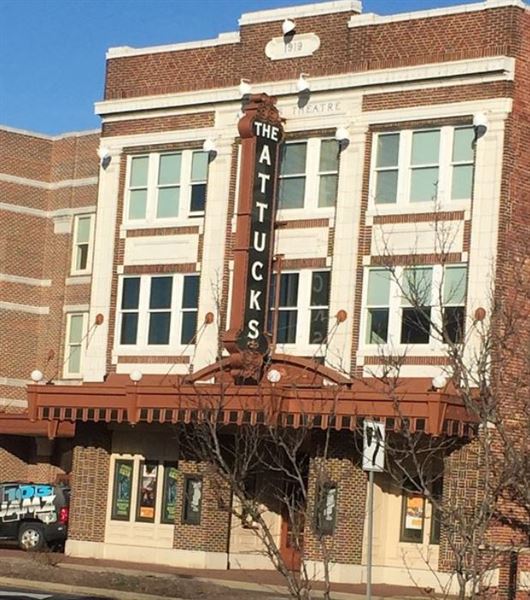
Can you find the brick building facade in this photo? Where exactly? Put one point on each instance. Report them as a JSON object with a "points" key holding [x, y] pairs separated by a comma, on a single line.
{"points": [[405, 141]]}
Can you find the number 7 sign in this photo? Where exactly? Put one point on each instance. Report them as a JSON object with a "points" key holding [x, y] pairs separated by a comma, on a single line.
{"points": [[373, 446]]}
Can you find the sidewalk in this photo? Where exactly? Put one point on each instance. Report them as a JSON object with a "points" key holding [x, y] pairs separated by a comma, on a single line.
{"points": [[253, 581]]}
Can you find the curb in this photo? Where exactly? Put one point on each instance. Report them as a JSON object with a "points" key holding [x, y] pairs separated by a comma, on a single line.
{"points": [[62, 588]]}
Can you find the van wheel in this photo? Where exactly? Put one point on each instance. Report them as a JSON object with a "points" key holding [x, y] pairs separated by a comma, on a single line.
{"points": [[31, 536]]}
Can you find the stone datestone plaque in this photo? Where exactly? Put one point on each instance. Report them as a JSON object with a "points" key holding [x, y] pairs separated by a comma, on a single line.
{"points": [[304, 44]]}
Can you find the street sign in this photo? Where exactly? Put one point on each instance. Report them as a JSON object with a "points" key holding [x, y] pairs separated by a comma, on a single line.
{"points": [[373, 446]]}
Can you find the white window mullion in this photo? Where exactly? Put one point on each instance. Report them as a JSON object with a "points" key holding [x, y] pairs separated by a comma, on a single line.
{"points": [[143, 311], [444, 173], [405, 172], [176, 302], [185, 184], [74, 346], [152, 189], [436, 303], [394, 317], [304, 292]]}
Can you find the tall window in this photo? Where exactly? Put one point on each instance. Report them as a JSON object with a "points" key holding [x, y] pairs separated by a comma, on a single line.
{"points": [[454, 303], [303, 304], [415, 305], [76, 325], [158, 310], [462, 163], [81, 252], [166, 186], [308, 175], [291, 191], [190, 304], [386, 168], [130, 305], [424, 165], [416, 301], [377, 303], [287, 319], [425, 157]]}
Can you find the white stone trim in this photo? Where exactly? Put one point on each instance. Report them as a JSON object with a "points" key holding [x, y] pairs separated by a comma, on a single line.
{"points": [[45, 185], [375, 19], [231, 37], [116, 143], [13, 382], [46, 214], [84, 549], [44, 136], [503, 66], [304, 10], [78, 280], [26, 308], [75, 308], [25, 280], [493, 107]]}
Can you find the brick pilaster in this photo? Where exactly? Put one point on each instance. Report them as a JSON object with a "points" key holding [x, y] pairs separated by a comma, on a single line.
{"points": [[90, 475]]}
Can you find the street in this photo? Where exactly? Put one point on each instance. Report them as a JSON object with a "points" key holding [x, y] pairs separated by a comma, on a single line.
{"points": [[21, 594]]}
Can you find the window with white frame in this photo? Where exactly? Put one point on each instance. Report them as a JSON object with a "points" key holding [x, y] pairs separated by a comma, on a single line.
{"points": [[166, 186], [454, 303], [158, 310], [415, 305], [308, 174], [303, 308], [424, 165], [74, 350], [82, 244]]}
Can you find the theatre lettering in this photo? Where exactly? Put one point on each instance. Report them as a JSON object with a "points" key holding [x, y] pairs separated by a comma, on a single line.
{"points": [[268, 137]]}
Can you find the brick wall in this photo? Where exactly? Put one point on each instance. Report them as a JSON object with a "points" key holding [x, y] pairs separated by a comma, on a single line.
{"points": [[213, 531], [346, 544], [461, 492], [30, 247], [89, 482], [14, 457], [342, 50]]}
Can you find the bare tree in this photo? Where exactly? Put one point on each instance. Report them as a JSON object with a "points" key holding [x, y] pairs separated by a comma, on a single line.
{"points": [[272, 469], [478, 348]]}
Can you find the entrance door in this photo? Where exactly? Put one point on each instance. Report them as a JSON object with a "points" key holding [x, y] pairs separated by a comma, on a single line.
{"points": [[292, 540]]}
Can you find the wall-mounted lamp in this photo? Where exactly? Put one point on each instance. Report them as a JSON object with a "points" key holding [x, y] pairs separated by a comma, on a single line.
{"points": [[439, 382], [104, 156], [274, 376], [288, 27], [209, 146], [136, 375], [480, 124], [244, 87], [342, 134], [302, 85], [37, 376]]}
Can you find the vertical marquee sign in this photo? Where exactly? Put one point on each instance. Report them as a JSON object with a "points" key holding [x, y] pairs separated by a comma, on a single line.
{"points": [[261, 132]]}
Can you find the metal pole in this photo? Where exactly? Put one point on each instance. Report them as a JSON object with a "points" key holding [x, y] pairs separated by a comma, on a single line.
{"points": [[370, 534]]}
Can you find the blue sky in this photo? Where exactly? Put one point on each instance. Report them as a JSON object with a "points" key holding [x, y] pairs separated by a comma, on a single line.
{"points": [[52, 52]]}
